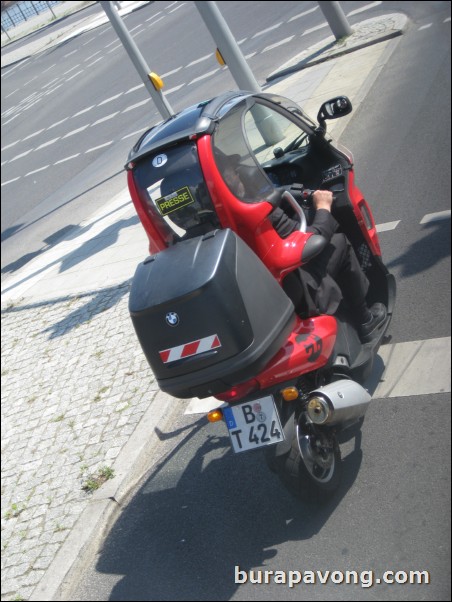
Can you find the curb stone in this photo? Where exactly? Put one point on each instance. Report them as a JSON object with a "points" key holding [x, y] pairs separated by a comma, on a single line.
{"points": [[366, 33]]}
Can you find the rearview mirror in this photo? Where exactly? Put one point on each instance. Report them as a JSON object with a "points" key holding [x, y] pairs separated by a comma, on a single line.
{"points": [[334, 108]]}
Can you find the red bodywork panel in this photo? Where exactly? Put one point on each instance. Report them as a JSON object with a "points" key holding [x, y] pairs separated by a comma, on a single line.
{"points": [[307, 349], [364, 216], [156, 238]]}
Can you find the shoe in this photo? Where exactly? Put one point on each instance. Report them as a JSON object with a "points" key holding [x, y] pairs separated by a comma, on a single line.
{"points": [[368, 330]]}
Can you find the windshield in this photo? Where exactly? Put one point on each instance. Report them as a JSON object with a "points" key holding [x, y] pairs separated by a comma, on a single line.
{"points": [[248, 138], [268, 130]]}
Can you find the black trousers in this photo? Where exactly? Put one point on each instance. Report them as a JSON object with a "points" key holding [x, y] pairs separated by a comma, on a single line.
{"points": [[333, 275]]}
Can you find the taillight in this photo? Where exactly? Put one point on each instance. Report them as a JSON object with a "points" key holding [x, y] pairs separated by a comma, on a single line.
{"points": [[239, 391]]}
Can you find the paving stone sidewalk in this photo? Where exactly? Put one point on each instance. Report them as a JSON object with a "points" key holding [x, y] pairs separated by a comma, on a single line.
{"points": [[80, 384]]}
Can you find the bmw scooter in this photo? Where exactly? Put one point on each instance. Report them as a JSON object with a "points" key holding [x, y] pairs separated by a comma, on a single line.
{"points": [[209, 305]]}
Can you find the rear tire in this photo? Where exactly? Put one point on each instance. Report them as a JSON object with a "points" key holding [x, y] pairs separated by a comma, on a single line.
{"points": [[315, 474]]}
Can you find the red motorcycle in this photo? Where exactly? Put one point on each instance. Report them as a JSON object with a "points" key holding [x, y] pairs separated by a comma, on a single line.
{"points": [[210, 304]]}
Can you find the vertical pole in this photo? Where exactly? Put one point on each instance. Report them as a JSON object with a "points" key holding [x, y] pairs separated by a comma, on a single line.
{"points": [[6, 31], [336, 18], [227, 46], [22, 12], [50, 8], [137, 59]]}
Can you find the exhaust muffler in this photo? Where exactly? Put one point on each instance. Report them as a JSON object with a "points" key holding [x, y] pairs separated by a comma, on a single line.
{"points": [[340, 402]]}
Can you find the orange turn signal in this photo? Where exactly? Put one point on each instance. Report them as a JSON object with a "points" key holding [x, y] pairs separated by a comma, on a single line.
{"points": [[290, 393], [215, 416]]}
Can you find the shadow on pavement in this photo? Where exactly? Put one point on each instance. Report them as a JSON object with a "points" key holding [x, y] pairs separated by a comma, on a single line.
{"points": [[201, 511], [50, 242], [102, 241], [415, 259]]}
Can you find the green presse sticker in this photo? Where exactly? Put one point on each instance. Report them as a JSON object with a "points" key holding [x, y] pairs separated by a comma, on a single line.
{"points": [[174, 201]]}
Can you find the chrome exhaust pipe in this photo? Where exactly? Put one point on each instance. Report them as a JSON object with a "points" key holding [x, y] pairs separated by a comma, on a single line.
{"points": [[340, 402]]}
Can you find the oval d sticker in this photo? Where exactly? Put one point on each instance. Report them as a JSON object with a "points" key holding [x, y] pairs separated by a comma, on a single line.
{"points": [[159, 160]]}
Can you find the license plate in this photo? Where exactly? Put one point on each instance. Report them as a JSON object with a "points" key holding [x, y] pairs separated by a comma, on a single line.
{"points": [[253, 424]]}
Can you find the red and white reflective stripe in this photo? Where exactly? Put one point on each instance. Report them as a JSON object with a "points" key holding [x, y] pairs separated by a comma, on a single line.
{"points": [[189, 349]]}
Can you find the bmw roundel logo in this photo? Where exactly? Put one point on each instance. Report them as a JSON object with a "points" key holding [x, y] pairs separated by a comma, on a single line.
{"points": [[172, 319]]}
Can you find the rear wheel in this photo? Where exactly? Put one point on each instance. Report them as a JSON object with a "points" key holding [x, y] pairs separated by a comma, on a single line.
{"points": [[312, 469]]}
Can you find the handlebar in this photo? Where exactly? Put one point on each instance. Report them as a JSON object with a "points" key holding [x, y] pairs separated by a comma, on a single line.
{"points": [[307, 195], [298, 210]]}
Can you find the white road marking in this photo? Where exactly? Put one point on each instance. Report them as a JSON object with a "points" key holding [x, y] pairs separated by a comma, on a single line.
{"points": [[69, 53], [50, 83], [363, 8], [9, 181], [54, 125], [80, 129], [177, 7], [135, 106], [171, 72], [84, 111], [134, 88], [157, 20], [321, 26], [303, 14], [415, 368], [66, 159], [425, 26], [12, 119], [75, 75], [203, 58], [435, 217], [94, 148], [106, 118], [71, 69], [114, 48], [446, 20], [204, 76], [153, 16], [264, 31], [250, 55], [136, 133], [387, 226], [33, 135], [21, 155], [10, 145], [137, 27], [48, 143], [91, 56], [30, 80], [109, 99], [30, 173], [101, 58], [171, 90], [48, 68], [11, 93], [52, 90], [88, 42], [276, 44]]}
